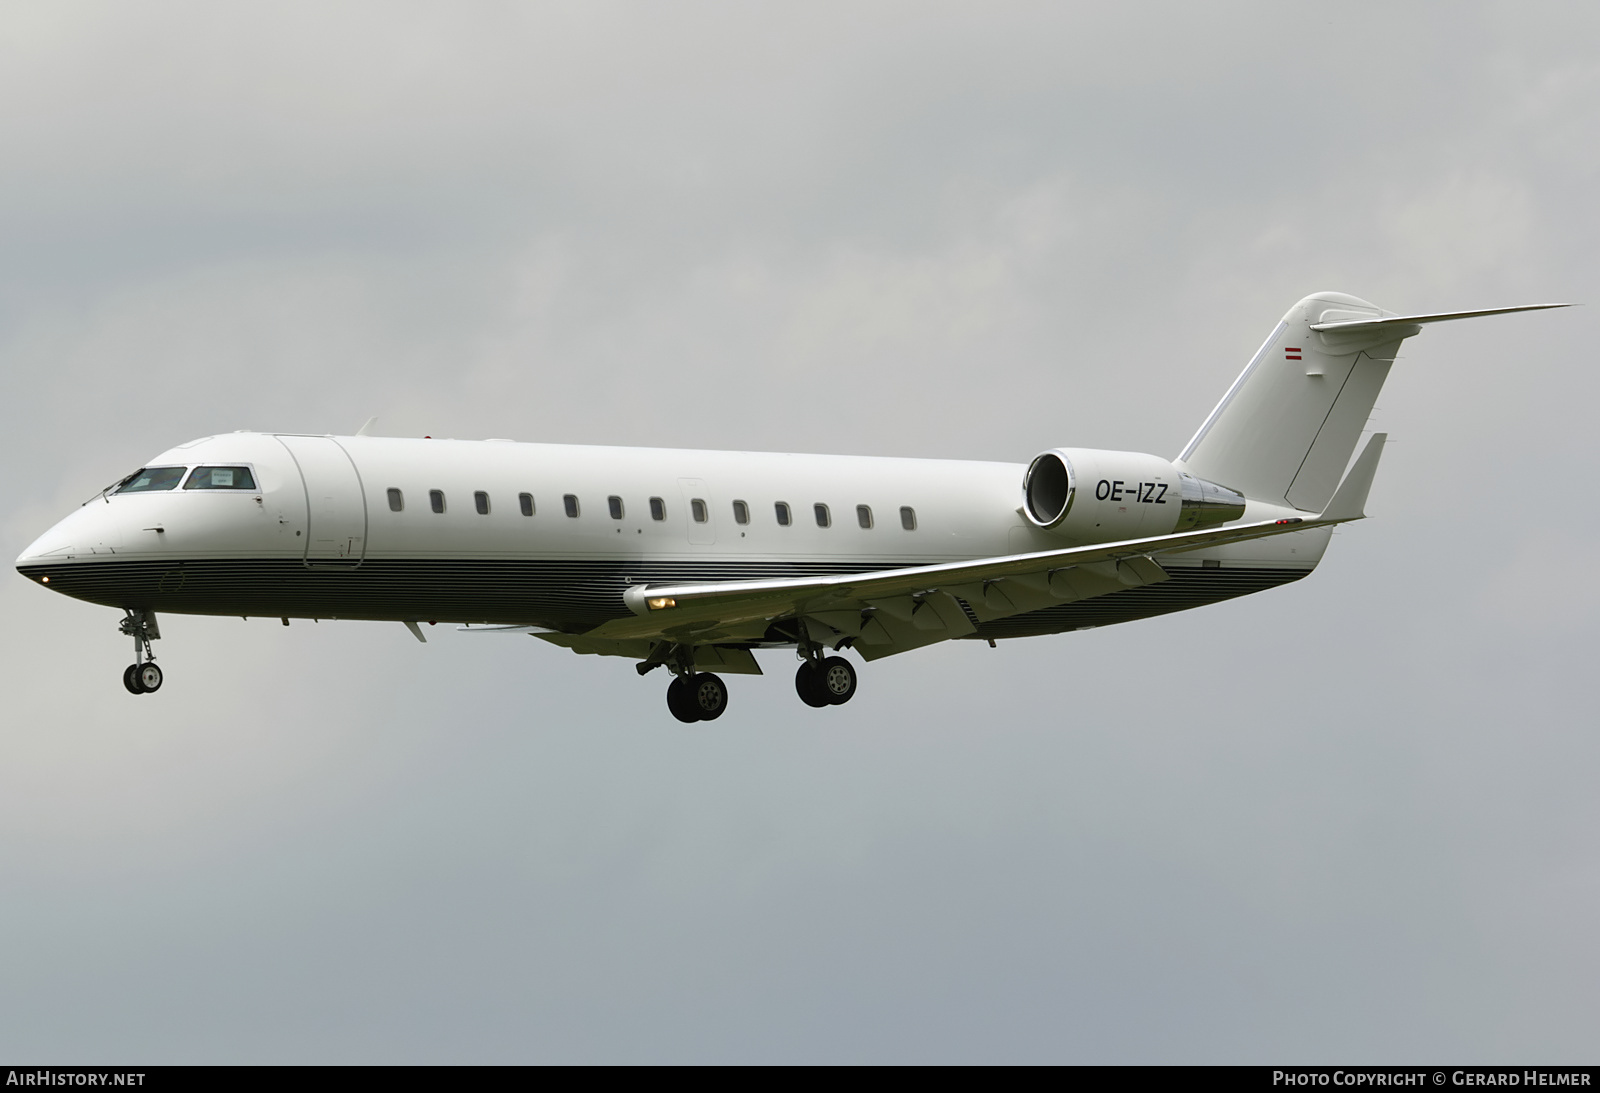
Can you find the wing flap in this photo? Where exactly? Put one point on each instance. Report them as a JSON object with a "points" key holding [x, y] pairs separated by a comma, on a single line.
{"points": [[686, 611]]}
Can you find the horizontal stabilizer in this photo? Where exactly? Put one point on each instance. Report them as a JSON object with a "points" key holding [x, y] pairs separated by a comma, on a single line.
{"points": [[1380, 322], [1350, 499]]}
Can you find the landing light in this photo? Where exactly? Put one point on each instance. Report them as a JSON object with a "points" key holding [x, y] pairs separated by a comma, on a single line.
{"points": [[46, 580], [656, 603]]}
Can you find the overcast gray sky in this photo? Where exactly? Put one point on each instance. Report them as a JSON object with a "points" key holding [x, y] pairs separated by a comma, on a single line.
{"points": [[1351, 819]]}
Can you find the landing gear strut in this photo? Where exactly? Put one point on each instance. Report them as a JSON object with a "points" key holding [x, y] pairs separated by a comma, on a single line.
{"points": [[142, 676]]}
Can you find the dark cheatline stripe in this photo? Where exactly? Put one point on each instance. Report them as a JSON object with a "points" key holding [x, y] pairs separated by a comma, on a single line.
{"points": [[566, 595], [1189, 587]]}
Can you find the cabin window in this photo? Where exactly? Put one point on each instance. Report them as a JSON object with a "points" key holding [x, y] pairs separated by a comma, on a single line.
{"points": [[571, 502], [436, 499], [220, 478], [526, 501], [615, 504], [697, 509], [152, 478], [908, 518], [864, 516], [741, 512], [658, 509], [782, 509], [823, 519], [397, 500]]}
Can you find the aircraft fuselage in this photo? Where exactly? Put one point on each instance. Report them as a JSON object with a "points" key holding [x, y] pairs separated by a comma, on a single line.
{"points": [[346, 527]]}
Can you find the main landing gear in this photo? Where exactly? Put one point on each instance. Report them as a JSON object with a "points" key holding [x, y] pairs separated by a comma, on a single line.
{"points": [[697, 696], [701, 696], [822, 681], [691, 696], [142, 676], [826, 681]]}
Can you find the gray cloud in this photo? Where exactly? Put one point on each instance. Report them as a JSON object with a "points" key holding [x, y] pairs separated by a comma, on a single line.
{"points": [[891, 229]]}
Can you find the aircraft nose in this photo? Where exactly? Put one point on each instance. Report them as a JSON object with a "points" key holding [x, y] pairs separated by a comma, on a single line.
{"points": [[85, 531], [54, 543]]}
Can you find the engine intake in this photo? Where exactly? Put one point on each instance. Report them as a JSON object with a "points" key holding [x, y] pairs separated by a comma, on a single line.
{"points": [[1048, 489], [1095, 496]]}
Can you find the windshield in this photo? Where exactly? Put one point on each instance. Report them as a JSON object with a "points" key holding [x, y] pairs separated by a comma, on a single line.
{"points": [[149, 479], [220, 478]]}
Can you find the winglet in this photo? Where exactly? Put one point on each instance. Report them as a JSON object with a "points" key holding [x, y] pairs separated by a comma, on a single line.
{"points": [[1350, 499]]}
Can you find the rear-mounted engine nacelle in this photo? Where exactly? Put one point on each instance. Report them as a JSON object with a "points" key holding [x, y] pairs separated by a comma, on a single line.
{"points": [[1096, 496]]}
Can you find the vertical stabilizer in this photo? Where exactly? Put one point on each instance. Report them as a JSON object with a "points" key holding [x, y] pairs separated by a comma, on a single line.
{"points": [[1286, 428]]}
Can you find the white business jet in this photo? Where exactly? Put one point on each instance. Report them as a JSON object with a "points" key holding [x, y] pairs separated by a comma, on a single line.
{"points": [[691, 559]]}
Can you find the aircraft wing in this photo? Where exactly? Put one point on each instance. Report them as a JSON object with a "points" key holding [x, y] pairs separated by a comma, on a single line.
{"points": [[900, 608], [708, 612]]}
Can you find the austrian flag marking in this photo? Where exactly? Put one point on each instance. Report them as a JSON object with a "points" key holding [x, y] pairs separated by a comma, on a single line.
{"points": [[1291, 354]]}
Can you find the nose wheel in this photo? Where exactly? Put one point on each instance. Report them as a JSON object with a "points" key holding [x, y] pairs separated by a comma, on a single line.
{"points": [[142, 676], [141, 679]]}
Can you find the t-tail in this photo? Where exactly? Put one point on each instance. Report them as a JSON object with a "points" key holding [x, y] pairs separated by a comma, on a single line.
{"points": [[1285, 430]]}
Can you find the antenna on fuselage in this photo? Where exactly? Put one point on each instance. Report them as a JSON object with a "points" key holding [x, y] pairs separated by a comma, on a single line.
{"points": [[371, 421]]}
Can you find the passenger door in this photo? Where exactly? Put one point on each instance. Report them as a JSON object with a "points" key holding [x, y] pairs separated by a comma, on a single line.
{"points": [[336, 506]]}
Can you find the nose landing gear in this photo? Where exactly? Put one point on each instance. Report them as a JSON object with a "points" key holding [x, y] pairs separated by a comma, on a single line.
{"points": [[143, 676]]}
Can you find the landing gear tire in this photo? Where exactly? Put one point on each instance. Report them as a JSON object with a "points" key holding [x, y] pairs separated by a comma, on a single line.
{"points": [[808, 685], [148, 677], [130, 679], [678, 701], [708, 695], [837, 681]]}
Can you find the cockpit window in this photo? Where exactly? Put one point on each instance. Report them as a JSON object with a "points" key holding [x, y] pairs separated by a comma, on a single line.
{"points": [[221, 478], [150, 479]]}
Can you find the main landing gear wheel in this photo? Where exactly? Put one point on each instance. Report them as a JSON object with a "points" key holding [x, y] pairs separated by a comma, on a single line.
{"points": [[837, 681], [808, 685], [700, 697], [708, 695], [678, 701], [829, 683]]}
